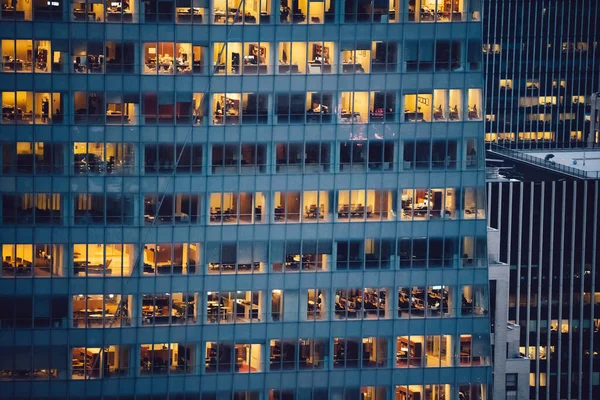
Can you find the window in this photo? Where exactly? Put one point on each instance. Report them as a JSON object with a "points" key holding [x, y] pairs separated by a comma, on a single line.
{"points": [[166, 358], [257, 58], [294, 256], [448, 55], [120, 56], [48, 11], [227, 58], [435, 11], [371, 11], [423, 204], [233, 159], [313, 353], [293, 12], [276, 304], [435, 154], [121, 11], [346, 353], [290, 108], [242, 257], [171, 258], [316, 205], [16, 11], [412, 302], [103, 259], [181, 208], [161, 158], [29, 208], [238, 12], [94, 363], [99, 310], [282, 355], [474, 300], [356, 57], [169, 308], [438, 351], [321, 56], [87, 11], [255, 108], [168, 58], [409, 351], [229, 307], [384, 57], [248, 358], [226, 108], [287, 206], [474, 349], [417, 108], [100, 208], [158, 11], [25, 55], [88, 107], [122, 109], [158, 108], [474, 203], [32, 108], [316, 304], [418, 55], [354, 107], [369, 303], [292, 58], [374, 352], [40, 260], [474, 101], [237, 208], [103, 158], [299, 157], [356, 156], [191, 11], [218, 357], [87, 57], [506, 84], [358, 205]]}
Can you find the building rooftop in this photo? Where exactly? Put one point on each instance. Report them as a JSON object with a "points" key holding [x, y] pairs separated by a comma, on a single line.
{"points": [[580, 163]]}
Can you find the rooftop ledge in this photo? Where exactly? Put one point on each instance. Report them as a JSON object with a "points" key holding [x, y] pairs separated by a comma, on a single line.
{"points": [[580, 163]]}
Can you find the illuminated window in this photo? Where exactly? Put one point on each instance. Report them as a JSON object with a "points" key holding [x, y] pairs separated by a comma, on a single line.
{"points": [[98, 310], [171, 258], [506, 84], [417, 108], [93, 363], [240, 12]]}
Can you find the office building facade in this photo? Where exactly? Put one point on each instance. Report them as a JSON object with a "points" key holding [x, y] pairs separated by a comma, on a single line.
{"points": [[546, 217], [542, 64], [243, 200]]}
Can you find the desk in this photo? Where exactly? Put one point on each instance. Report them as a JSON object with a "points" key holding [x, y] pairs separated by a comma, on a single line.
{"points": [[317, 68], [82, 15], [114, 117], [8, 13], [348, 118], [254, 69], [413, 116], [349, 68], [188, 17], [286, 69], [117, 16]]}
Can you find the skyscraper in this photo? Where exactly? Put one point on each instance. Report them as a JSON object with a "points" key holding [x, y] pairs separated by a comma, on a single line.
{"points": [[542, 64], [243, 200], [546, 218]]}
